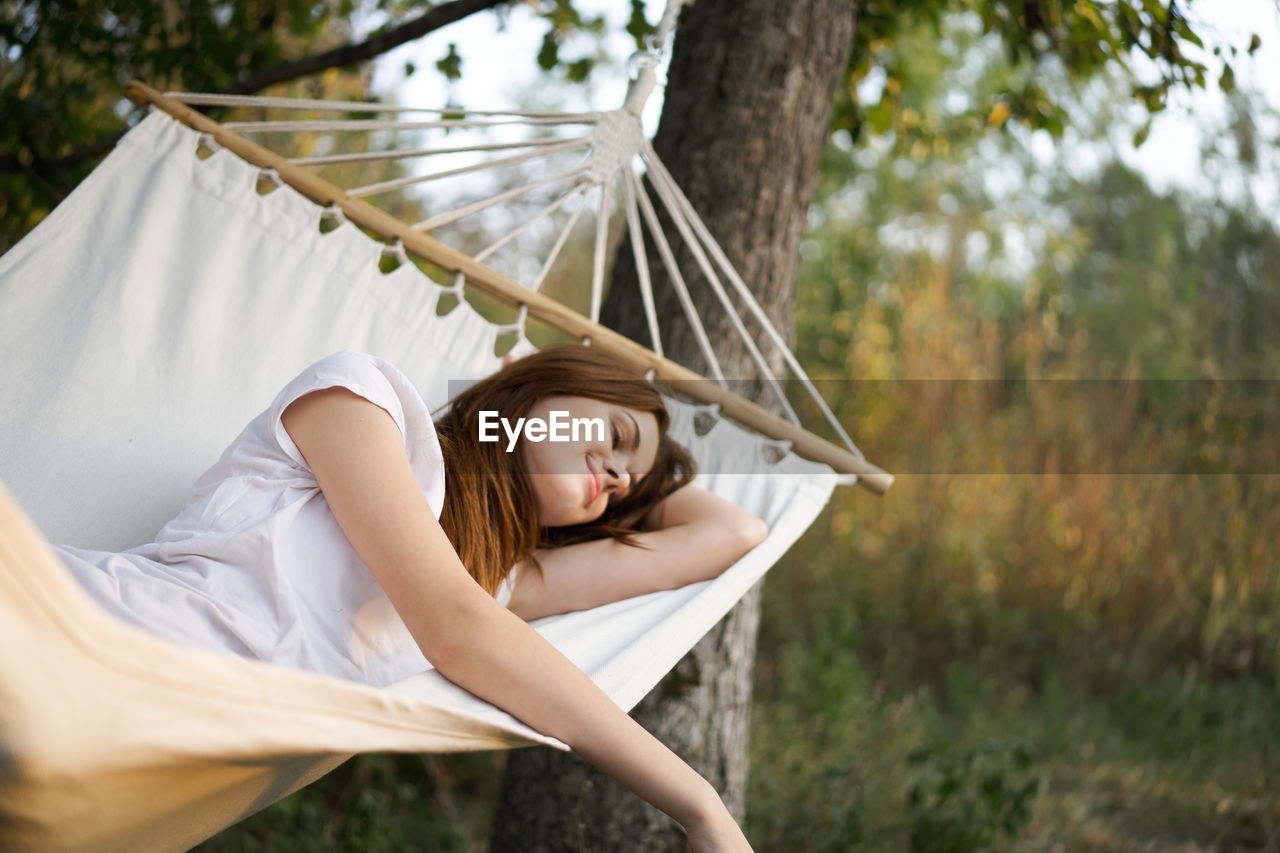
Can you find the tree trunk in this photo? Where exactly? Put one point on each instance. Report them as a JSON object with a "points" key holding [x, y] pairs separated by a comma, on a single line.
{"points": [[748, 105]]}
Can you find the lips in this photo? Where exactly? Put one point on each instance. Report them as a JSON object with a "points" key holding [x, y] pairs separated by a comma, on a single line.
{"points": [[593, 490]]}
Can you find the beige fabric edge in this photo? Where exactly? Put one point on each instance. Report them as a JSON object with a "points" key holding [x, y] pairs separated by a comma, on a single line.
{"points": [[111, 739]]}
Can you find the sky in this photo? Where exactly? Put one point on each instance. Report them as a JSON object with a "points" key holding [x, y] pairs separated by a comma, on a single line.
{"points": [[1171, 155], [499, 71], [498, 62]]}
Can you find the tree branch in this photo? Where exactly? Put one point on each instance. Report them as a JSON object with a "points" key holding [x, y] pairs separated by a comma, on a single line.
{"points": [[96, 148], [283, 72], [438, 17]]}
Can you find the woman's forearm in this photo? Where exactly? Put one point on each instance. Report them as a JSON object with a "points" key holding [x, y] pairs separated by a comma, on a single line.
{"points": [[694, 536], [515, 669], [692, 505]]}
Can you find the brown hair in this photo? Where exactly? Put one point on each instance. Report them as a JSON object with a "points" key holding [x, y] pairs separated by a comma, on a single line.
{"points": [[490, 513]]}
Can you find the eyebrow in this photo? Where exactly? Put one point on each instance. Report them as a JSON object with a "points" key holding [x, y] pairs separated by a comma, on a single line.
{"points": [[635, 432], [635, 442]]}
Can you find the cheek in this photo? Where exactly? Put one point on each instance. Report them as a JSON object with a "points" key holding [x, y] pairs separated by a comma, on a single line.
{"points": [[550, 492], [546, 457]]}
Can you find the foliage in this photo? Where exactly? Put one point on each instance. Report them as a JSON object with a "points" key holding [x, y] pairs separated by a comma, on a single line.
{"points": [[376, 804], [1045, 569], [1124, 626], [1082, 37], [63, 66], [976, 799]]}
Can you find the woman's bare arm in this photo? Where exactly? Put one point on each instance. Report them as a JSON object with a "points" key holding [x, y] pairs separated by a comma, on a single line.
{"points": [[357, 455], [692, 535]]}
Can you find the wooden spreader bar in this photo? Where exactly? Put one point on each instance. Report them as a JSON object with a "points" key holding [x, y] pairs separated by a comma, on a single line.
{"points": [[544, 308]]}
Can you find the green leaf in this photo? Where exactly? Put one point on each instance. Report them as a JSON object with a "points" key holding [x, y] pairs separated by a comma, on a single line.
{"points": [[880, 117], [638, 26], [1227, 82], [580, 69], [1141, 135], [1185, 33], [549, 53], [451, 65]]}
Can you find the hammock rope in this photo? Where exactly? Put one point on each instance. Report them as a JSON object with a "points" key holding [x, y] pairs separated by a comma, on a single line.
{"points": [[259, 101], [677, 280], [848, 459], [408, 154], [364, 125], [401, 183], [576, 192], [607, 170], [642, 261]]}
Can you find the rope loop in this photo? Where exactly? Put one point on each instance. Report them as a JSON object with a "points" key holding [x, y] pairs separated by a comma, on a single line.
{"points": [[705, 418], [773, 452], [459, 282], [333, 214], [639, 61], [270, 175], [516, 326], [668, 23], [395, 249], [206, 142]]}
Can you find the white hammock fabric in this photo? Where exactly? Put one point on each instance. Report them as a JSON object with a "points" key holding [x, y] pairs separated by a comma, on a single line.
{"points": [[612, 163], [142, 324]]}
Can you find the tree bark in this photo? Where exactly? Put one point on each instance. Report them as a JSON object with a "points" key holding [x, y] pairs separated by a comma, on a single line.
{"points": [[747, 110]]}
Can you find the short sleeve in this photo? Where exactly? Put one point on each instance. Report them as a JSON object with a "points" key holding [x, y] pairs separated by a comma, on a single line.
{"points": [[382, 384]]}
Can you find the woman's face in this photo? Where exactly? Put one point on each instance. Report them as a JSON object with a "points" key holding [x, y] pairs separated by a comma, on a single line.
{"points": [[574, 481]]}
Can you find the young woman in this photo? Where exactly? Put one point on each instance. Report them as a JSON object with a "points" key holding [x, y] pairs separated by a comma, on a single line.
{"points": [[325, 539]]}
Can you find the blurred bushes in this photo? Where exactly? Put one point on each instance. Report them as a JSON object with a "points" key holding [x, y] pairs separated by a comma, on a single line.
{"points": [[1092, 568]]}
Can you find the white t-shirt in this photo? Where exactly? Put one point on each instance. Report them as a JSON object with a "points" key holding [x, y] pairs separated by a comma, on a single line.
{"points": [[256, 564]]}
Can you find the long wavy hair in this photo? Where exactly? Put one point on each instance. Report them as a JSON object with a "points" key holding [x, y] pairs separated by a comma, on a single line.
{"points": [[490, 512]]}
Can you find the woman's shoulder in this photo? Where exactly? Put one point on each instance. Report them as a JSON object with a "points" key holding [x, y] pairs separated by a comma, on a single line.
{"points": [[365, 375], [382, 383], [356, 365]]}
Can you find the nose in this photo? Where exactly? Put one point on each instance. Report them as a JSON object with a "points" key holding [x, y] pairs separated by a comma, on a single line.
{"points": [[617, 478]]}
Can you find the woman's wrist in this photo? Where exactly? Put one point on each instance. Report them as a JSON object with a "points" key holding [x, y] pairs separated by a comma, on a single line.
{"points": [[715, 830], [706, 809]]}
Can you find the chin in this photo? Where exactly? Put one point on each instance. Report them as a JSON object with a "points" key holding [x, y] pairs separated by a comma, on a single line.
{"points": [[574, 517]]}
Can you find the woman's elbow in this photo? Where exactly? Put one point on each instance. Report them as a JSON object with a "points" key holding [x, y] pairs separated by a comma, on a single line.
{"points": [[458, 638], [741, 533], [751, 531]]}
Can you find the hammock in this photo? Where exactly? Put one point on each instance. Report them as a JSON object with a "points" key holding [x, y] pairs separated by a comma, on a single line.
{"points": [[141, 325]]}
